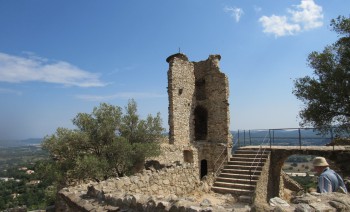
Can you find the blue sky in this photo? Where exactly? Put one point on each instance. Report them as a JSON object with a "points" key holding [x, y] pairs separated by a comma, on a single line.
{"points": [[60, 57]]}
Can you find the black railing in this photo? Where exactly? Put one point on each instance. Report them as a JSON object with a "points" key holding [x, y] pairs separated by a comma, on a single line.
{"points": [[283, 137]]}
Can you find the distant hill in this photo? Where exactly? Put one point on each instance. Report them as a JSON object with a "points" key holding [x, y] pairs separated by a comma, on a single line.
{"points": [[18, 143]]}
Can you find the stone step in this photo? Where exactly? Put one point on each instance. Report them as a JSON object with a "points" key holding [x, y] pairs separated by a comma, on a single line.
{"points": [[246, 199], [241, 167], [251, 156], [246, 163], [241, 171], [237, 180], [251, 151], [232, 191], [235, 158], [234, 185], [238, 176]]}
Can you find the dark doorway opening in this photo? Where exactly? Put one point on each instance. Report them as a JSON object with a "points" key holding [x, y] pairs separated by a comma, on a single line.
{"points": [[201, 123], [204, 168]]}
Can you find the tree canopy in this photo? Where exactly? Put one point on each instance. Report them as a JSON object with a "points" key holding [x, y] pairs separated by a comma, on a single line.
{"points": [[326, 95], [106, 143]]}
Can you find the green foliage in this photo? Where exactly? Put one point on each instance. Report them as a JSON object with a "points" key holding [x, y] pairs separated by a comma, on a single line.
{"points": [[326, 95], [297, 158], [106, 143], [306, 182]]}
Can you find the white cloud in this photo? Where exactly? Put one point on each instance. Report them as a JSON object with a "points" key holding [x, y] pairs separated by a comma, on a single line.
{"points": [[10, 91], [307, 15], [15, 69], [235, 12], [125, 95], [278, 26]]}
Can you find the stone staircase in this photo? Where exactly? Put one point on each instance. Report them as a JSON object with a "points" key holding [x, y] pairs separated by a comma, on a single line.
{"points": [[240, 175]]}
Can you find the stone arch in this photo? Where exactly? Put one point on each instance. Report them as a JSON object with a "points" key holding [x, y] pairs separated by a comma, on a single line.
{"points": [[204, 168], [200, 123], [278, 157]]}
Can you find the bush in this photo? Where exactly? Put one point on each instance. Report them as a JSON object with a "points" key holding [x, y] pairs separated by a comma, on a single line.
{"points": [[106, 143]]}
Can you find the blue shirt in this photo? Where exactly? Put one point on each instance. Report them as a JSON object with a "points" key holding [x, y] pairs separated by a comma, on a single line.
{"points": [[330, 181]]}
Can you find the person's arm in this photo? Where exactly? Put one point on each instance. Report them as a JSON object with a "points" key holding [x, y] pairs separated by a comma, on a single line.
{"points": [[324, 184]]}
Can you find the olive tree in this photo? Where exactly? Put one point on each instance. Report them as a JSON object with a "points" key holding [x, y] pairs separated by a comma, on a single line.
{"points": [[326, 94], [105, 143]]}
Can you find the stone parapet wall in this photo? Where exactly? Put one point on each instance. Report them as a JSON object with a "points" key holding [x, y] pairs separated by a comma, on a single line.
{"points": [[170, 154], [170, 189], [262, 187]]}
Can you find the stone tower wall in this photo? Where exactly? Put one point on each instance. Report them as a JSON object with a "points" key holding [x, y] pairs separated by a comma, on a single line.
{"points": [[181, 81], [198, 110], [216, 101]]}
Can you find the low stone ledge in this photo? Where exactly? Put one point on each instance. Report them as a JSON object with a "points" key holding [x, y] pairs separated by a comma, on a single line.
{"points": [[123, 201]]}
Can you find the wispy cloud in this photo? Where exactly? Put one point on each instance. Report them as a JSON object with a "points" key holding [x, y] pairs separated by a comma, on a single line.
{"points": [[124, 95], [10, 91], [15, 69], [278, 26], [257, 8], [235, 12], [305, 16]]}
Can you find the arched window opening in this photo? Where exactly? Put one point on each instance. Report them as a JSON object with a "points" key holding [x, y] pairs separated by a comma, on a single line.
{"points": [[201, 123], [204, 168]]}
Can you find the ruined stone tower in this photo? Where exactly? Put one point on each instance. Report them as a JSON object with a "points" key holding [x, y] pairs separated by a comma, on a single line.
{"points": [[199, 110]]}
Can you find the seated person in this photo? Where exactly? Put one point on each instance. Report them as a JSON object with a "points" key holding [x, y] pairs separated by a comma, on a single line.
{"points": [[328, 180]]}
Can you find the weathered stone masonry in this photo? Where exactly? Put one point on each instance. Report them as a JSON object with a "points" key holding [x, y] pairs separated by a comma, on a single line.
{"points": [[198, 144], [198, 110]]}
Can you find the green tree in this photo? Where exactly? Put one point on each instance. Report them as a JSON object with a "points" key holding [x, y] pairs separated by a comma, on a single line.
{"points": [[106, 143], [326, 95]]}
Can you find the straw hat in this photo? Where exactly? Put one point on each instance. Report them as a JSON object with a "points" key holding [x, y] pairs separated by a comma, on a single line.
{"points": [[320, 161]]}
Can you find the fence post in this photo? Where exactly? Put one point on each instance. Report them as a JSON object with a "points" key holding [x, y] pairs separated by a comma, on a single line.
{"points": [[299, 138], [250, 139], [238, 141], [270, 137], [332, 138], [244, 137]]}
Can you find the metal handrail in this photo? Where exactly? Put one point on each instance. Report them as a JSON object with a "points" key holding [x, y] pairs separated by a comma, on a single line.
{"points": [[295, 136], [225, 149], [216, 173], [220, 156], [261, 152]]}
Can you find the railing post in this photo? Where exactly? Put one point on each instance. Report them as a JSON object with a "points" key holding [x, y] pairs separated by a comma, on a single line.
{"points": [[332, 138], [332, 134], [250, 139], [244, 137], [299, 138], [270, 136], [238, 142]]}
